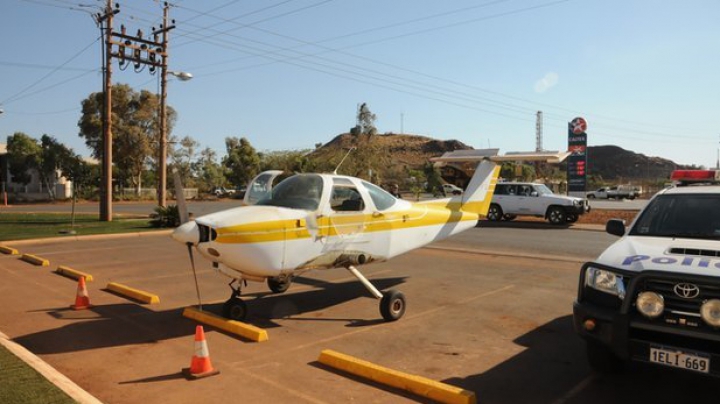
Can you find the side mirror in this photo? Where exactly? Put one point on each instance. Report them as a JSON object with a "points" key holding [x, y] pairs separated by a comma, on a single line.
{"points": [[534, 193], [615, 227]]}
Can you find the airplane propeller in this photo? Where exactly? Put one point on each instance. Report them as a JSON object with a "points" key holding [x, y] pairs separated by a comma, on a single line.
{"points": [[187, 232]]}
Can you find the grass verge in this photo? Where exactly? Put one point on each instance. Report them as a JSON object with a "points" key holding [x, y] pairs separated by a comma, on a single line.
{"points": [[21, 384], [22, 226]]}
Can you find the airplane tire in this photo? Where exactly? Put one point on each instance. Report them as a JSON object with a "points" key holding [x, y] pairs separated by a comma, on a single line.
{"points": [[235, 309], [278, 286], [392, 305]]}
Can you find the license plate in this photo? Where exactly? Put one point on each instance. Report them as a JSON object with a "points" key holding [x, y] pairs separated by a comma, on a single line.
{"points": [[680, 359]]}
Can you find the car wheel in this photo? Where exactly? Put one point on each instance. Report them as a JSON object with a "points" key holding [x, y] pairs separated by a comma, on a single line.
{"points": [[602, 359], [591, 196], [556, 215], [495, 213], [572, 218]]}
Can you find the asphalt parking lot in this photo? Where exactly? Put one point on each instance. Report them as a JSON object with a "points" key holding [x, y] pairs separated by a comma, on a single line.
{"points": [[497, 325]]}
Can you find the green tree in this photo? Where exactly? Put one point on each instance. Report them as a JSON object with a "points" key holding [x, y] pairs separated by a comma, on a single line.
{"points": [[23, 155], [210, 173], [56, 159], [434, 179], [135, 129], [182, 155], [49, 158], [242, 161], [365, 121], [292, 161]]}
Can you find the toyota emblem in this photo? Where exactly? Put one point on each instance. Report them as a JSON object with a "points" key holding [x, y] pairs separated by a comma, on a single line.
{"points": [[687, 290]]}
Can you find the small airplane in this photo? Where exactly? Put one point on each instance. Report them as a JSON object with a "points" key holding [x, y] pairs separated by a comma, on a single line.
{"points": [[325, 221]]}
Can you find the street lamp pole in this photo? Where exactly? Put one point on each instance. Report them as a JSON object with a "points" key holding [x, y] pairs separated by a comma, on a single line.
{"points": [[162, 191], [162, 177]]}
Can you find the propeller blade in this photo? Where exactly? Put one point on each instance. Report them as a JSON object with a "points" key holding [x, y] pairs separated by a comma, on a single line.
{"points": [[180, 197], [192, 264]]}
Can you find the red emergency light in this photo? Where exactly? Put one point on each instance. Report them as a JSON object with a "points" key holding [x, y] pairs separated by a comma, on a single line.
{"points": [[695, 175]]}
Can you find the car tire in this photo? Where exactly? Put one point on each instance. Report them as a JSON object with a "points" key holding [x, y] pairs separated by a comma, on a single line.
{"points": [[602, 359], [572, 217], [556, 215], [509, 217], [494, 213], [591, 196]]}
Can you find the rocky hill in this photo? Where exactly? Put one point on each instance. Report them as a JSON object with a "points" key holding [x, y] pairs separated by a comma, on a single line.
{"points": [[605, 163], [412, 151], [615, 164]]}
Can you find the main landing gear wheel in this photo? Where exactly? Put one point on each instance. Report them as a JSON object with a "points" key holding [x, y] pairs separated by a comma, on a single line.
{"points": [[279, 285], [392, 305], [235, 309]]}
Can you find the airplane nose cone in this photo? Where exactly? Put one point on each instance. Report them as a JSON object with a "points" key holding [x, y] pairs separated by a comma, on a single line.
{"points": [[187, 233]]}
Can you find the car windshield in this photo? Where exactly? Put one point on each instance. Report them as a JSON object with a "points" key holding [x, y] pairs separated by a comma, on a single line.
{"points": [[300, 191], [686, 216]]}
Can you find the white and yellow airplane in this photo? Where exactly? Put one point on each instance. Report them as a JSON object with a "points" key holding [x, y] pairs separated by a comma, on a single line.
{"points": [[324, 221]]}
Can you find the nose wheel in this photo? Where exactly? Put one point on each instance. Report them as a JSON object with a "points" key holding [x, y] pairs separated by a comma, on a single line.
{"points": [[235, 308]]}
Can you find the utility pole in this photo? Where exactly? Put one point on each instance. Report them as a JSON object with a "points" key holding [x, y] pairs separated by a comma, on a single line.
{"points": [[106, 180], [141, 52], [162, 190]]}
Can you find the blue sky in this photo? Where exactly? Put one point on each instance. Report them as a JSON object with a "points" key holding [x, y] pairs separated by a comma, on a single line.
{"points": [[288, 74]]}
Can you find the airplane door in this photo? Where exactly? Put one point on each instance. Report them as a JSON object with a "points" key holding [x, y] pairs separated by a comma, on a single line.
{"points": [[260, 186], [347, 212]]}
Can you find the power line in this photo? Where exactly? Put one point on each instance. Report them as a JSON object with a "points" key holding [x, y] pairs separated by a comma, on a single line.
{"points": [[17, 95]]}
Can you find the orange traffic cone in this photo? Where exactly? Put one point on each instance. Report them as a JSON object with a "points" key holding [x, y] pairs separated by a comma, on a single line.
{"points": [[82, 299], [200, 365]]}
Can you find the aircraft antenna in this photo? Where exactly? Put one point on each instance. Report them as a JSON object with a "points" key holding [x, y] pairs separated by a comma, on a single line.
{"points": [[343, 159]]}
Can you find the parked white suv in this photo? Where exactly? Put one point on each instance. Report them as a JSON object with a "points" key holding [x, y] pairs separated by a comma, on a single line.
{"points": [[512, 199], [450, 190]]}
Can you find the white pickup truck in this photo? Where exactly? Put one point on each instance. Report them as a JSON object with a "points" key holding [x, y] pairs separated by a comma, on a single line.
{"points": [[654, 295], [614, 192]]}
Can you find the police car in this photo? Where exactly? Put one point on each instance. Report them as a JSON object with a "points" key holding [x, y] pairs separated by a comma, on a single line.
{"points": [[654, 295]]}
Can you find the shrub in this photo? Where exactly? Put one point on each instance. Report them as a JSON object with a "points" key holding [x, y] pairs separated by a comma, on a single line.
{"points": [[168, 216]]}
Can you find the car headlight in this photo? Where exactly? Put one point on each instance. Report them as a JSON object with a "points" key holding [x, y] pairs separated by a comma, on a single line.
{"points": [[650, 304], [710, 312], [605, 281]]}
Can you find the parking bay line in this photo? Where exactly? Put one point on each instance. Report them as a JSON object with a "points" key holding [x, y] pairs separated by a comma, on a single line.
{"points": [[366, 329]]}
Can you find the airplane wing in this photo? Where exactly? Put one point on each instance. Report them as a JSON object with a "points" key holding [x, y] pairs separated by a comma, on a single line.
{"points": [[492, 155]]}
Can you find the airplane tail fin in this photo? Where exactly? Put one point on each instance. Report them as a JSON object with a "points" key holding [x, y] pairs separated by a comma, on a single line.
{"points": [[479, 192]]}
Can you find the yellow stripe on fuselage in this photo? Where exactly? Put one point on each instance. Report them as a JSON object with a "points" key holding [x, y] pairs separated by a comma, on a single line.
{"points": [[419, 215]]}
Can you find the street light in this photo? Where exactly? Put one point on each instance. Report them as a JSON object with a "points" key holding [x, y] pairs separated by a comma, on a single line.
{"points": [[183, 76]]}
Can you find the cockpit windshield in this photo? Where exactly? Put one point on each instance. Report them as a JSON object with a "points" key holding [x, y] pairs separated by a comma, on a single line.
{"points": [[300, 191]]}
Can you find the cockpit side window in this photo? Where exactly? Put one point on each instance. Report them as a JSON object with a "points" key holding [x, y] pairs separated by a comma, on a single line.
{"points": [[301, 191], [345, 197], [381, 198]]}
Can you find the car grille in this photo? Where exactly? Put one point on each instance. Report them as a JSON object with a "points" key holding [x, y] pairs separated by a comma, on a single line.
{"points": [[695, 252], [674, 302]]}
